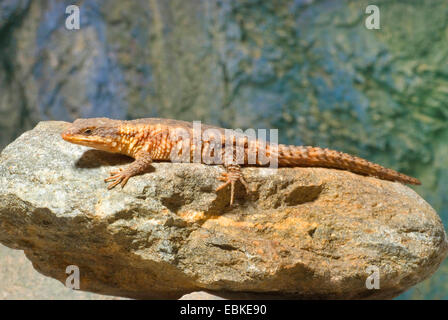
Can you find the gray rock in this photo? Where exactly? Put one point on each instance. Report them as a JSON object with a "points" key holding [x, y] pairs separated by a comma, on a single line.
{"points": [[301, 233]]}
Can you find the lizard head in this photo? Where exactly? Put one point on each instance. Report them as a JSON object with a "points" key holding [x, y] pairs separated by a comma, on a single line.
{"points": [[99, 133]]}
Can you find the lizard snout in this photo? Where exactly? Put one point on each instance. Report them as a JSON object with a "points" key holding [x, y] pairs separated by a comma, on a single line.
{"points": [[65, 135]]}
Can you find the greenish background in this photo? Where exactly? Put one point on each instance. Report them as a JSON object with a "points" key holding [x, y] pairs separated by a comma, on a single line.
{"points": [[309, 68]]}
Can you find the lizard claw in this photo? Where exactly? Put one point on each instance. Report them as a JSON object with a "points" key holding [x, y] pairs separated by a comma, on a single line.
{"points": [[119, 176], [230, 177]]}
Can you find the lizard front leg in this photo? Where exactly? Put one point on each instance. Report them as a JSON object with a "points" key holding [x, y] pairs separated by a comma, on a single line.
{"points": [[233, 174], [121, 176]]}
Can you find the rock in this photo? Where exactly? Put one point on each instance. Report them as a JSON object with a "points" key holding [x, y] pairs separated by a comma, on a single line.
{"points": [[302, 232], [200, 295]]}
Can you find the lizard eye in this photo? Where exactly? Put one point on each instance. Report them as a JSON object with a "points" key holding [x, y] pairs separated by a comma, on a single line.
{"points": [[88, 131]]}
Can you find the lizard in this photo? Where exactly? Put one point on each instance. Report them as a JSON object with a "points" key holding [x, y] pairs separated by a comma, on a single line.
{"points": [[155, 139]]}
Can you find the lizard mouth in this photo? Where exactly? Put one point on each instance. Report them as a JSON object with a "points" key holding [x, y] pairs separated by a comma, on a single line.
{"points": [[73, 139], [78, 139], [94, 142]]}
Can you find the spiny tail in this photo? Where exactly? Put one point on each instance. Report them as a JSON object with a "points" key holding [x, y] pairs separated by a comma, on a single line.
{"points": [[291, 156]]}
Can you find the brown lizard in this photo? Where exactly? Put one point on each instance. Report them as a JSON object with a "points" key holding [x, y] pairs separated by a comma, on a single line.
{"points": [[151, 139]]}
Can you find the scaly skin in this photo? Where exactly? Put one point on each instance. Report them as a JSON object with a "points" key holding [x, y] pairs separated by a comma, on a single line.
{"points": [[157, 139]]}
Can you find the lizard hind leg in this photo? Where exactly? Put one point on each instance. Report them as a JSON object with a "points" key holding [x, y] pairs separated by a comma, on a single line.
{"points": [[231, 176]]}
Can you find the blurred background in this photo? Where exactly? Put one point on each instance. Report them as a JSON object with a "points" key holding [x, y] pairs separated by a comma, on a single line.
{"points": [[309, 68]]}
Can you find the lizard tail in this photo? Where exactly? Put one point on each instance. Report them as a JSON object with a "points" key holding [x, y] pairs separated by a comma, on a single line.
{"points": [[290, 156]]}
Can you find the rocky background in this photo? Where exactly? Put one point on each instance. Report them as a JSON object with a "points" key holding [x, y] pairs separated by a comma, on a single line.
{"points": [[309, 68]]}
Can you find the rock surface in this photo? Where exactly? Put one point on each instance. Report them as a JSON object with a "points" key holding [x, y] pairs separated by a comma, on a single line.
{"points": [[302, 233]]}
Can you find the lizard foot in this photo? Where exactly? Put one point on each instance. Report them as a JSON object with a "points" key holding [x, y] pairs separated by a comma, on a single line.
{"points": [[119, 176], [232, 175]]}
